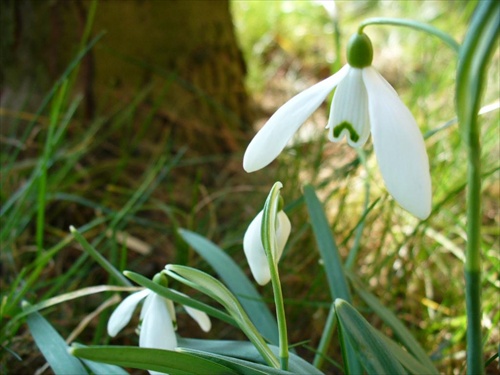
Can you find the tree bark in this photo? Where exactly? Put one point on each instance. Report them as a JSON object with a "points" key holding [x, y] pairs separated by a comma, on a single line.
{"points": [[184, 50]]}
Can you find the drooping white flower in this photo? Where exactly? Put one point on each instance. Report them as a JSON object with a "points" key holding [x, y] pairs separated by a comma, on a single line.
{"points": [[363, 103], [158, 320], [254, 249]]}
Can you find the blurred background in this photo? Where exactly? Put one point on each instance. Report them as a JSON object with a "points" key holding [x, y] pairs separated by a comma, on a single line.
{"points": [[129, 118]]}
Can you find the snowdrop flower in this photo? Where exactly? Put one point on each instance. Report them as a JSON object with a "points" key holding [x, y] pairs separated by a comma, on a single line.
{"points": [[254, 249], [158, 321], [363, 103]]}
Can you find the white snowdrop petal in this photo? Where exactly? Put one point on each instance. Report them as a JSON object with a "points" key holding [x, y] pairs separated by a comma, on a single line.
{"points": [[157, 330], [349, 111], [171, 312], [275, 134], [254, 251], [123, 313], [145, 305], [282, 233], [399, 147], [200, 317]]}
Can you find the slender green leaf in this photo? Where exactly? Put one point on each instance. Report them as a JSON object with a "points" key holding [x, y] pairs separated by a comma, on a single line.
{"points": [[173, 363], [215, 289], [246, 350], [408, 361], [401, 332], [239, 365], [179, 297], [376, 357], [103, 368], [333, 266], [103, 262], [327, 247], [238, 283], [53, 347], [326, 338]]}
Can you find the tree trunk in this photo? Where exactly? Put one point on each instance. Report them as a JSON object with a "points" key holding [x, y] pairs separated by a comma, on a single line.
{"points": [[184, 50]]}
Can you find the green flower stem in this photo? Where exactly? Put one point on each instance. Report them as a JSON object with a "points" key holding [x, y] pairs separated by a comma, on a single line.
{"points": [[269, 241], [473, 256], [447, 39], [478, 46]]}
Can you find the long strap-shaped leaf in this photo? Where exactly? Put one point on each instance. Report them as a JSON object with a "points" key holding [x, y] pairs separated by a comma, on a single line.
{"points": [[179, 297], [246, 351], [333, 268], [327, 247], [166, 361], [53, 347], [401, 332], [215, 289], [237, 282], [374, 353]]}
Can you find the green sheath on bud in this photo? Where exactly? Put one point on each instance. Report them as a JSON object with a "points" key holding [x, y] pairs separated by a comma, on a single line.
{"points": [[161, 278], [359, 51], [281, 203]]}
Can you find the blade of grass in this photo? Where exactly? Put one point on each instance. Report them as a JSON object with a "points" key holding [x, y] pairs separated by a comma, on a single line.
{"points": [[72, 66], [34, 270], [71, 296], [44, 164], [157, 173], [103, 262]]}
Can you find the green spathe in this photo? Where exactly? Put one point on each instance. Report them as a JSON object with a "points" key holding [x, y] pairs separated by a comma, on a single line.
{"points": [[161, 279], [359, 51]]}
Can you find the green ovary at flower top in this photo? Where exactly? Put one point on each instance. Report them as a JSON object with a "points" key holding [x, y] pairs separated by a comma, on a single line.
{"points": [[158, 319], [254, 249], [363, 103]]}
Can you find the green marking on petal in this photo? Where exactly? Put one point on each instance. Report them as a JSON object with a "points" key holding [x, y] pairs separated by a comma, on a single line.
{"points": [[345, 125]]}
